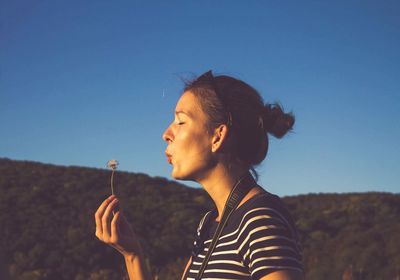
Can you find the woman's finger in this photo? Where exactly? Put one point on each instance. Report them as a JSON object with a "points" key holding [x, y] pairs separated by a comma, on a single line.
{"points": [[115, 234], [106, 224], [99, 215]]}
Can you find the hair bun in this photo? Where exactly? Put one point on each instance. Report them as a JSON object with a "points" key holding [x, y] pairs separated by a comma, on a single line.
{"points": [[275, 121]]}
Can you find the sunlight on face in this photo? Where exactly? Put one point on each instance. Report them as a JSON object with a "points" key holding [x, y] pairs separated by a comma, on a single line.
{"points": [[189, 143]]}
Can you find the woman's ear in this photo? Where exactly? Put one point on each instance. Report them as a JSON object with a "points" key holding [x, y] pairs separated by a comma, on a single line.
{"points": [[219, 137]]}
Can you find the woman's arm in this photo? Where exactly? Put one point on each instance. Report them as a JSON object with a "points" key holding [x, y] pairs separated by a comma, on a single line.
{"points": [[136, 268], [113, 229], [186, 268]]}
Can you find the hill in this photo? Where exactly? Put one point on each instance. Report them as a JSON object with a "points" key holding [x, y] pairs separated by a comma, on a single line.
{"points": [[47, 225]]}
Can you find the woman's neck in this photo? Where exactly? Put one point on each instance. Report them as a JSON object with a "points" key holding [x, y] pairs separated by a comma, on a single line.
{"points": [[219, 183]]}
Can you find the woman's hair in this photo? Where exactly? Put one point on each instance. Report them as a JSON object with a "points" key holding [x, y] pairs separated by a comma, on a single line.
{"points": [[226, 100]]}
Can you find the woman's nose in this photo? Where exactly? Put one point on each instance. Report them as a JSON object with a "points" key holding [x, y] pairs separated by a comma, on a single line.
{"points": [[167, 135]]}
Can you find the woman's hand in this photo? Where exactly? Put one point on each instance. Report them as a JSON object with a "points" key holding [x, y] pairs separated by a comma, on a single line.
{"points": [[113, 229]]}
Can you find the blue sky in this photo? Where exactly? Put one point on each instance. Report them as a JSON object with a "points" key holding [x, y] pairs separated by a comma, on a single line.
{"points": [[82, 82]]}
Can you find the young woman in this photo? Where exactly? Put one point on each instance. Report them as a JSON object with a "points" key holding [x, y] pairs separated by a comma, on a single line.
{"points": [[220, 133]]}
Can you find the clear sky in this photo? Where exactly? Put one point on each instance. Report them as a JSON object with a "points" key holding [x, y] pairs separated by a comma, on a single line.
{"points": [[82, 82]]}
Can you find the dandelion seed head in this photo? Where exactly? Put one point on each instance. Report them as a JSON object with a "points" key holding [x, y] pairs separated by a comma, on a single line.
{"points": [[112, 164]]}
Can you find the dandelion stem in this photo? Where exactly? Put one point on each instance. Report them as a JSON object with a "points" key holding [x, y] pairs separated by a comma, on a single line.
{"points": [[112, 182]]}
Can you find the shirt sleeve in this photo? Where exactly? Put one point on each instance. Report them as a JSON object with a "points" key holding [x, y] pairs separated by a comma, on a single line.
{"points": [[270, 243]]}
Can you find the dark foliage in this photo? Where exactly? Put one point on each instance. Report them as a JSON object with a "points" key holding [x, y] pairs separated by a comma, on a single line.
{"points": [[47, 225]]}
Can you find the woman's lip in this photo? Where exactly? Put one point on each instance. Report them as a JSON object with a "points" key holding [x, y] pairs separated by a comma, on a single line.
{"points": [[169, 157]]}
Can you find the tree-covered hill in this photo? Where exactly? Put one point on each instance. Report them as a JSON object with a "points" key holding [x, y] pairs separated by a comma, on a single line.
{"points": [[47, 225]]}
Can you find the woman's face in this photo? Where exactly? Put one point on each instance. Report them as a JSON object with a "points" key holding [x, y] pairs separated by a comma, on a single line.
{"points": [[189, 143]]}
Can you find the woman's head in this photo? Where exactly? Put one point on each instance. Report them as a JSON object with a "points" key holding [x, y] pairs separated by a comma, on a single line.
{"points": [[231, 102], [189, 148]]}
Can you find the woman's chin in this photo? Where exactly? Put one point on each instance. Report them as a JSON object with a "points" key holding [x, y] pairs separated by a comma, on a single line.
{"points": [[179, 175], [175, 174]]}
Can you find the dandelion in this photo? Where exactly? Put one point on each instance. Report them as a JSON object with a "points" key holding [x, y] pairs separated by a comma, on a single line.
{"points": [[112, 164]]}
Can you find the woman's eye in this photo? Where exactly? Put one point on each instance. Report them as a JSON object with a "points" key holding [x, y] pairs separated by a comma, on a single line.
{"points": [[180, 123]]}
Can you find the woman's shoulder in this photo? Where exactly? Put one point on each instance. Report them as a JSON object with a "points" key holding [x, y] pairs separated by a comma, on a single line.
{"points": [[265, 204], [263, 199]]}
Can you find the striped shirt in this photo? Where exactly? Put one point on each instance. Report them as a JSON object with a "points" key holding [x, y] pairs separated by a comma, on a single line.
{"points": [[259, 238]]}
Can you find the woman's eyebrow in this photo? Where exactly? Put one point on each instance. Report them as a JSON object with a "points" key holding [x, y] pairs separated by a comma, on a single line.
{"points": [[183, 112]]}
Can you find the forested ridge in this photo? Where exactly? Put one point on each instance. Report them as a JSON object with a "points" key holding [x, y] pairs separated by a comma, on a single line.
{"points": [[47, 225]]}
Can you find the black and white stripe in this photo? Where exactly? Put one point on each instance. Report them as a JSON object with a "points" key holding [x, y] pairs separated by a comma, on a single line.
{"points": [[259, 238]]}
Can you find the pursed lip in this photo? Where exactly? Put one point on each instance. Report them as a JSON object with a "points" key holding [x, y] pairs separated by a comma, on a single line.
{"points": [[169, 157]]}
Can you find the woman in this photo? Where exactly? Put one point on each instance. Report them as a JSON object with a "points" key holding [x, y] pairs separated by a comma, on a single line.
{"points": [[220, 133]]}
